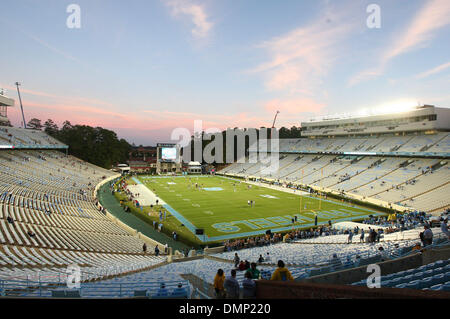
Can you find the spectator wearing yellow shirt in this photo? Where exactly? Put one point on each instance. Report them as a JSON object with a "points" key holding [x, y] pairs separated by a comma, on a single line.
{"points": [[219, 280], [281, 273]]}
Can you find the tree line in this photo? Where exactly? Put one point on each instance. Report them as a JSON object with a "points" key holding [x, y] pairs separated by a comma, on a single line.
{"points": [[95, 145], [207, 139]]}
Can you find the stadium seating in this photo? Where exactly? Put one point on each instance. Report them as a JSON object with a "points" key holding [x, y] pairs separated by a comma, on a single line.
{"points": [[49, 219], [28, 138], [434, 276], [412, 181]]}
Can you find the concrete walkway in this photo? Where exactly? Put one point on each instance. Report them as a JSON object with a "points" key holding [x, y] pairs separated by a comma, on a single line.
{"points": [[112, 205]]}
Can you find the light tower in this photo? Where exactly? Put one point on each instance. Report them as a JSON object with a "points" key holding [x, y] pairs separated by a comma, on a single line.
{"points": [[21, 107]]}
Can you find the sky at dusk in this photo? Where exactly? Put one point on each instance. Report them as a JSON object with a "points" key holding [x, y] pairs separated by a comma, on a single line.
{"points": [[145, 67]]}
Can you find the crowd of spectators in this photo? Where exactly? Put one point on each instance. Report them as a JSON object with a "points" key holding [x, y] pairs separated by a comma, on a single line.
{"points": [[228, 287], [257, 241], [398, 222], [268, 239]]}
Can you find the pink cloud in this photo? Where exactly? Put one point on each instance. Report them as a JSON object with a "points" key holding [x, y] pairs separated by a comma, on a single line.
{"points": [[431, 17], [434, 70], [303, 56]]}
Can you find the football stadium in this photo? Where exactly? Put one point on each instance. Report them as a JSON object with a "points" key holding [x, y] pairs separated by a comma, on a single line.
{"points": [[353, 206]]}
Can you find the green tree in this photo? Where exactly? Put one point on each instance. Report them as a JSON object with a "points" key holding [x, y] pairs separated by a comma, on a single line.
{"points": [[35, 123], [50, 127]]}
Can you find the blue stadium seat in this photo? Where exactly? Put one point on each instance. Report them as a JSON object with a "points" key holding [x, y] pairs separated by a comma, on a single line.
{"points": [[413, 284], [386, 283], [440, 278], [398, 274], [437, 287], [401, 285], [427, 282], [438, 270], [418, 275], [396, 281], [408, 278], [410, 271], [430, 266]]}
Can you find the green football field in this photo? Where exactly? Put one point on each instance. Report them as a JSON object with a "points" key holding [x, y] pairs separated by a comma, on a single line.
{"points": [[219, 205]]}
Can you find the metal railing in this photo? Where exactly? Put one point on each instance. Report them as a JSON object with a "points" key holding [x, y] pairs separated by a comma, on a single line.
{"points": [[151, 289]]}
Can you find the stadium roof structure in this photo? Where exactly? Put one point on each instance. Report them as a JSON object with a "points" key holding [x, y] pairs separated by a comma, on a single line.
{"points": [[5, 102], [426, 118]]}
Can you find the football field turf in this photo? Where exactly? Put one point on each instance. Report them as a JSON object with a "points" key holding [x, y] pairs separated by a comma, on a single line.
{"points": [[220, 206]]}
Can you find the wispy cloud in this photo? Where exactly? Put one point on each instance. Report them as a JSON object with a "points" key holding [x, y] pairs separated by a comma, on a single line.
{"points": [[196, 12], [302, 57], [435, 70], [43, 43], [434, 15]]}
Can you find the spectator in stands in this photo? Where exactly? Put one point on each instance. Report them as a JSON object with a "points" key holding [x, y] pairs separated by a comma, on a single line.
{"points": [[241, 265], [350, 237], [144, 248], [383, 254], [361, 238], [247, 265], [10, 220], [219, 280], [444, 228], [427, 235], [236, 260], [249, 287], [254, 272], [156, 251], [231, 286], [267, 256], [261, 259], [281, 273]]}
